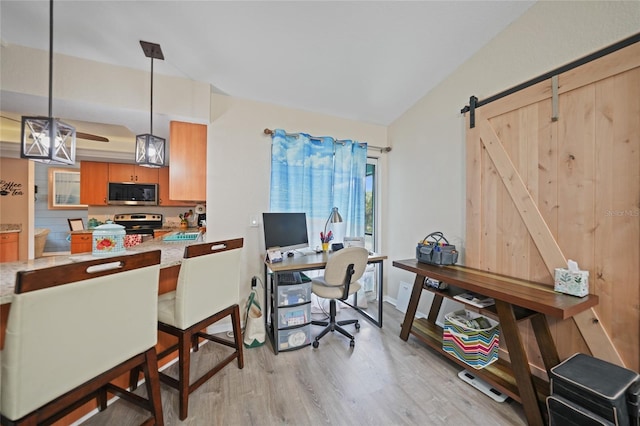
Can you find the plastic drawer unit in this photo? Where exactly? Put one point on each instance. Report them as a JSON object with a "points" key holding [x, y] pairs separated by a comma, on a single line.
{"points": [[294, 315], [291, 315], [294, 338], [294, 294]]}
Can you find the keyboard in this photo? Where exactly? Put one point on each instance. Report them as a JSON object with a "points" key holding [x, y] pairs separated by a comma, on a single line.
{"points": [[289, 278]]}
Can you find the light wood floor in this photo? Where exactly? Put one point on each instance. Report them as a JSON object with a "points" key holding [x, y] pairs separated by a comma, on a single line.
{"points": [[382, 381]]}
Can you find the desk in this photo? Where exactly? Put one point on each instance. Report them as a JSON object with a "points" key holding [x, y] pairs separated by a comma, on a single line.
{"points": [[307, 262], [515, 300]]}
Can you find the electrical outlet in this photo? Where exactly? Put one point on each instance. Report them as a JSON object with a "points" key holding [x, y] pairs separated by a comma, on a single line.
{"points": [[254, 281]]}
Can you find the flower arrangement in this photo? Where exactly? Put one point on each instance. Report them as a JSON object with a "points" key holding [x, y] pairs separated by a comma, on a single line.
{"points": [[184, 218]]}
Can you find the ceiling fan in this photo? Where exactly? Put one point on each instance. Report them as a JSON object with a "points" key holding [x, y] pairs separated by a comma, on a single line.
{"points": [[81, 135]]}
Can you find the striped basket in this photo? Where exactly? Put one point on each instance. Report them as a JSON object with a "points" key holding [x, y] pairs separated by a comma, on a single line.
{"points": [[475, 347]]}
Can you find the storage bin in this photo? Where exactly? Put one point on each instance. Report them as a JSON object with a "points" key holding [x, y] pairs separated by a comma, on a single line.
{"points": [[563, 412], [108, 240], [294, 337], [598, 386], [40, 239], [294, 294], [296, 315], [476, 347]]}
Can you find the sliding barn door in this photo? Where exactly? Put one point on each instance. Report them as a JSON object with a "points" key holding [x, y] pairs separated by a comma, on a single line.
{"points": [[552, 177]]}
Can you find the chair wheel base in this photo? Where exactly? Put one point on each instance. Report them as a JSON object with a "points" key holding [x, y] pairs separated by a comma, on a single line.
{"points": [[316, 344]]}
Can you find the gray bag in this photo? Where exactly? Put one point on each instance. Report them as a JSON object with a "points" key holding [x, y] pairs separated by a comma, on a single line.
{"points": [[436, 250]]}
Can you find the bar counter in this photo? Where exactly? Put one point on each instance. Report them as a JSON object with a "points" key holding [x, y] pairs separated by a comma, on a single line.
{"points": [[172, 253], [170, 260]]}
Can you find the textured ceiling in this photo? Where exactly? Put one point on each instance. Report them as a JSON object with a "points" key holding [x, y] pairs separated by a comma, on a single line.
{"points": [[364, 60]]}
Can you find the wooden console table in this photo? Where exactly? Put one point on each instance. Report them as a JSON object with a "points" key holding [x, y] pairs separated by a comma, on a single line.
{"points": [[516, 300]]}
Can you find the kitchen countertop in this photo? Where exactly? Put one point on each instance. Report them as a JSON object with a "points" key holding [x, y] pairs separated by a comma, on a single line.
{"points": [[10, 227], [163, 229], [171, 255]]}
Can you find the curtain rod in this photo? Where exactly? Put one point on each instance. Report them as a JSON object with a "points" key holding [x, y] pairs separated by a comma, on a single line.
{"points": [[382, 149]]}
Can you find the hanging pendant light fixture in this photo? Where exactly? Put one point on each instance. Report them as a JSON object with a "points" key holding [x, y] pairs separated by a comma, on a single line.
{"points": [[46, 139], [149, 148]]}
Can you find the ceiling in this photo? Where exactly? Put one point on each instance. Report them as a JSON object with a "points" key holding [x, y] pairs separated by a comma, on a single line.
{"points": [[368, 61]]}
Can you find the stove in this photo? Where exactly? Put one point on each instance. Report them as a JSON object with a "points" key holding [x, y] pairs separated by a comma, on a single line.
{"points": [[139, 223]]}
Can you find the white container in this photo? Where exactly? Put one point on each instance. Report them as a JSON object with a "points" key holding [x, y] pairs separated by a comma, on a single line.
{"points": [[108, 240]]}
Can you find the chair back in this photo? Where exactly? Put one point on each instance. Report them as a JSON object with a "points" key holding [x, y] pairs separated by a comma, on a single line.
{"points": [[208, 281], [335, 271], [68, 324]]}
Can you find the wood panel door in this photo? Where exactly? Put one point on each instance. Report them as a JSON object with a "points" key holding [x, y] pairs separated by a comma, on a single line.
{"points": [[82, 242], [94, 178], [9, 247], [163, 189], [120, 172], [188, 161], [542, 190]]}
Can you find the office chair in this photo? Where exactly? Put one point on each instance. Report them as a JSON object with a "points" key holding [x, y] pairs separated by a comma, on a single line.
{"points": [[74, 328], [207, 291], [344, 269]]}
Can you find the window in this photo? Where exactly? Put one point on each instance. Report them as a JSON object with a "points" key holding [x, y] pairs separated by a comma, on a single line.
{"points": [[370, 208]]}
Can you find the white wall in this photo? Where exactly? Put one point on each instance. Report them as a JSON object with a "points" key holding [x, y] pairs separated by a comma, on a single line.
{"points": [[427, 164], [239, 166]]}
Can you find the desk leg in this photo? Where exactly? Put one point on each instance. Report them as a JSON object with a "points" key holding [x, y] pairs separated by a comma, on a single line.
{"points": [[366, 315], [412, 307], [270, 284], [519, 363], [547, 346]]}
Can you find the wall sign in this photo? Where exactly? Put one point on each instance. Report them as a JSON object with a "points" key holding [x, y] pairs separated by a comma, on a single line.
{"points": [[10, 187]]}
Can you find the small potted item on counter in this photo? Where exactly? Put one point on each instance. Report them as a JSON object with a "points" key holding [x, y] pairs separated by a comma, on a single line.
{"points": [[185, 218]]}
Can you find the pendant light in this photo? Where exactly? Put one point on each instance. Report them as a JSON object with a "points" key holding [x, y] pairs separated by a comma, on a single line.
{"points": [[46, 139], [149, 148]]}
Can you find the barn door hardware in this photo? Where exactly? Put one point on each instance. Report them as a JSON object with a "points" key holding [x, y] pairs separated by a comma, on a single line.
{"points": [[474, 103], [554, 98]]}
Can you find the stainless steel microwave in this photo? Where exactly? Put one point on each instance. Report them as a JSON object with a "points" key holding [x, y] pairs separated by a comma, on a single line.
{"points": [[132, 194]]}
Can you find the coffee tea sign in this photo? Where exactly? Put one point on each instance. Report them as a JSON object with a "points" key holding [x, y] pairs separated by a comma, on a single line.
{"points": [[10, 187]]}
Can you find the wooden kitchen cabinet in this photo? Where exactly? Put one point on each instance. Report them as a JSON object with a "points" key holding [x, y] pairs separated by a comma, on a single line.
{"points": [[9, 247], [81, 242], [120, 172], [163, 189], [188, 161], [94, 177]]}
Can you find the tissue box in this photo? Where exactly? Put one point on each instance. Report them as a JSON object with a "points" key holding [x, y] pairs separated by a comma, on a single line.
{"points": [[573, 283]]}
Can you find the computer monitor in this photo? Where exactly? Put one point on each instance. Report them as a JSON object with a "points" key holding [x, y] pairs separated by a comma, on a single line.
{"points": [[285, 230]]}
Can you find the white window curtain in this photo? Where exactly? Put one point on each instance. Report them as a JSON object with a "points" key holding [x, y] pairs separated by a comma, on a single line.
{"points": [[313, 175]]}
